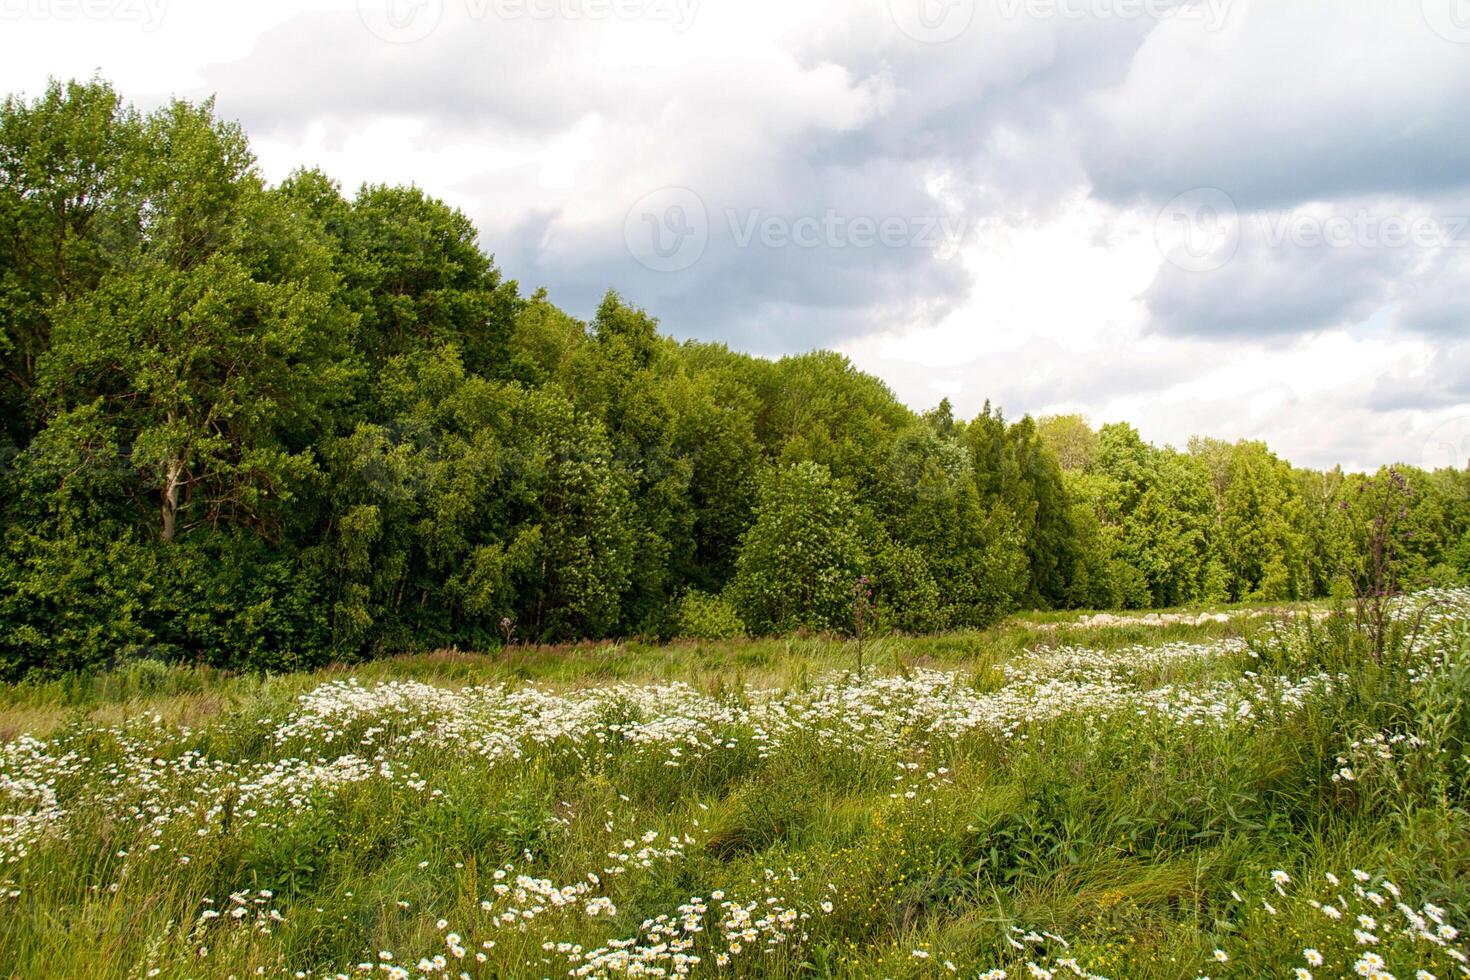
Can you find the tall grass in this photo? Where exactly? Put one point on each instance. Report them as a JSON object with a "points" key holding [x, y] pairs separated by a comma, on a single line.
{"points": [[862, 839]]}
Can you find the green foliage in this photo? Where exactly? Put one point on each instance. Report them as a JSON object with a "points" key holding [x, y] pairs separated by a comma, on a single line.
{"points": [[387, 817], [68, 214], [906, 596], [701, 616], [799, 559], [261, 426], [477, 500], [1261, 521], [1070, 439]]}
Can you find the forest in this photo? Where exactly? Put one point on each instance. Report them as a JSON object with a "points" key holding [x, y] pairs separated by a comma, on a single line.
{"points": [[268, 427]]}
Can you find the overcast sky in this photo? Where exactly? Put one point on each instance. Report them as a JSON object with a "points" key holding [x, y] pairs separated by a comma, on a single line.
{"points": [[1242, 218]]}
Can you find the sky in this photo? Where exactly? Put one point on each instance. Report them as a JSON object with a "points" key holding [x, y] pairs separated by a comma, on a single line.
{"points": [[1238, 218]]}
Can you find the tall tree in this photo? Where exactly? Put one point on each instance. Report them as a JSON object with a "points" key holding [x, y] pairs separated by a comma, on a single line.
{"points": [[1262, 527], [800, 558], [210, 349], [69, 212]]}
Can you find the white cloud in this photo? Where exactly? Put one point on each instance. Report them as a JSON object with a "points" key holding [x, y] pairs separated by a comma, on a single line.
{"points": [[1052, 131]]}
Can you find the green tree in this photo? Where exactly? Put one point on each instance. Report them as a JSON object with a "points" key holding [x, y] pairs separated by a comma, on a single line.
{"points": [[1070, 439], [477, 500], [973, 547], [1039, 499], [211, 351], [1262, 527], [801, 556], [69, 212], [412, 268]]}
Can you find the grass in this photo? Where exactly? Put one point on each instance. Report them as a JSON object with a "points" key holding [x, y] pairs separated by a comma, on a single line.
{"points": [[1035, 797]]}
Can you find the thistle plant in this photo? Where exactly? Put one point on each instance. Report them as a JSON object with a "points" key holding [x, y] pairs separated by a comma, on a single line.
{"points": [[862, 610], [1374, 573]]}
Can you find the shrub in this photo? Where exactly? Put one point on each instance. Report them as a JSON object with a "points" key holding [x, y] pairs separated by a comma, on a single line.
{"points": [[701, 616], [799, 559]]}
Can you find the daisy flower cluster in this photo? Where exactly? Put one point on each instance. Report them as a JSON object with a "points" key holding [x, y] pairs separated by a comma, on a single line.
{"points": [[1358, 924], [344, 732], [181, 807]]}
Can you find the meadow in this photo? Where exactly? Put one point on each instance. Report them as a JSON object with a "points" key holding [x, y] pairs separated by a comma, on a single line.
{"points": [[1234, 795]]}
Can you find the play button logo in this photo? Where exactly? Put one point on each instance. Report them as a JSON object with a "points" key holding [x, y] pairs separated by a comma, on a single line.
{"points": [[1450, 19], [401, 21], [932, 21]]}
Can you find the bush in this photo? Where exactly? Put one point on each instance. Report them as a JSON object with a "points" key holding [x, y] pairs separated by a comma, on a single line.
{"points": [[701, 616], [907, 596], [800, 558]]}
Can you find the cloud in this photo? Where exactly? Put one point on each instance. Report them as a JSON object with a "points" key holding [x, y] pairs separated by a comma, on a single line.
{"points": [[1439, 379], [1050, 133], [1293, 102], [1271, 292], [1269, 274], [1434, 299]]}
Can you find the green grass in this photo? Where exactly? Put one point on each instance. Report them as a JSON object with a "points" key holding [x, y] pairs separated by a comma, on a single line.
{"points": [[904, 823]]}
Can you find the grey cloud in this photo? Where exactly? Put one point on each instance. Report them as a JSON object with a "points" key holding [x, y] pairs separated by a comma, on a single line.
{"points": [[1309, 101], [772, 298], [1278, 291], [1444, 382], [1435, 301], [476, 75], [1303, 101]]}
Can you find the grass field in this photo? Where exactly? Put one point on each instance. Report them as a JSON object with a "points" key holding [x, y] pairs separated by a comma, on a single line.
{"points": [[1250, 797]]}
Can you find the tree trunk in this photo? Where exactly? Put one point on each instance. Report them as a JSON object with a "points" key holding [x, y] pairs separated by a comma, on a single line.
{"points": [[173, 477]]}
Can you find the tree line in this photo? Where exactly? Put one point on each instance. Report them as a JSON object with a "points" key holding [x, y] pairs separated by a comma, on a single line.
{"points": [[268, 426]]}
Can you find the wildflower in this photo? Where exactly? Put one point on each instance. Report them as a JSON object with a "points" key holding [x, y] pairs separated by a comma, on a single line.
{"points": [[1222, 956], [1312, 956], [1368, 964]]}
